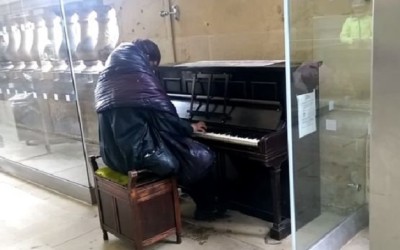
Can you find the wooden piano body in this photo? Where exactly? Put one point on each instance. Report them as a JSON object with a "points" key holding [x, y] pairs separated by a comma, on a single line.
{"points": [[244, 107]]}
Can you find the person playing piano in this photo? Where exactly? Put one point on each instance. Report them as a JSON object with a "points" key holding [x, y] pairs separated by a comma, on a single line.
{"points": [[139, 127]]}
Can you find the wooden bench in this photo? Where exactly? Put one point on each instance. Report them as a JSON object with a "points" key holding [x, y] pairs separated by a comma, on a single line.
{"points": [[141, 207]]}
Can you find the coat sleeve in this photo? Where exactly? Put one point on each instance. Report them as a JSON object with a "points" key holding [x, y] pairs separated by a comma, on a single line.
{"points": [[173, 124]]}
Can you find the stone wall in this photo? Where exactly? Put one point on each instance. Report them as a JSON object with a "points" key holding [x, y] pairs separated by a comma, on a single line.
{"points": [[384, 227], [207, 29]]}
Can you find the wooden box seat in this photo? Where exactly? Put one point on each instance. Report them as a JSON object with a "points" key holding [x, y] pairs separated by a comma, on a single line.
{"points": [[139, 207]]}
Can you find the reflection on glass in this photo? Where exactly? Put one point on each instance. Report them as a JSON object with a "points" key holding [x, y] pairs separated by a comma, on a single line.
{"points": [[357, 29], [39, 125]]}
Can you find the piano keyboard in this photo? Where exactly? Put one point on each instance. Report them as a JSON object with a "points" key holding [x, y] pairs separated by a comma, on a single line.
{"points": [[228, 138]]}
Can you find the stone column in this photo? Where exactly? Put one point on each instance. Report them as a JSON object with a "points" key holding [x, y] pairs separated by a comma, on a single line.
{"points": [[26, 45], [74, 37], [40, 41], [55, 40], [14, 35], [108, 32], [5, 63], [87, 47]]}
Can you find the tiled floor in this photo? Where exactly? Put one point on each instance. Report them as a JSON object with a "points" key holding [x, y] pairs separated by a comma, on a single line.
{"points": [[34, 218]]}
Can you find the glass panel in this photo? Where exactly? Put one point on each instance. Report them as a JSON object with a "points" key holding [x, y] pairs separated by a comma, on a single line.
{"points": [[39, 125], [330, 51]]}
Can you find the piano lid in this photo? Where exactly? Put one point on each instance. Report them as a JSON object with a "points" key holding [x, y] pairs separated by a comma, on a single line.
{"points": [[248, 94], [231, 63]]}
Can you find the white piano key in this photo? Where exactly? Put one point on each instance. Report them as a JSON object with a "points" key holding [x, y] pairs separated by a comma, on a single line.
{"points": [[228, 138]]}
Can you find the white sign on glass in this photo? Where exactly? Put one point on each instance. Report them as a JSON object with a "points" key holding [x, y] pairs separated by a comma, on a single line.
{"points": [[306, 114]]}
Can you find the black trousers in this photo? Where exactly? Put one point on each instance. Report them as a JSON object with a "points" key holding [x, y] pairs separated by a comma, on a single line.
{"points": [[203, 192]]}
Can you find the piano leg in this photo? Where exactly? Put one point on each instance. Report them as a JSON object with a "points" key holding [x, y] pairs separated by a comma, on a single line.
{"points": [[281, 227]]}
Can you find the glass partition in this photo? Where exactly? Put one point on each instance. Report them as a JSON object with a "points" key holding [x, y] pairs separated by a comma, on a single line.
{"points": [[330, 48], [39, 121]]}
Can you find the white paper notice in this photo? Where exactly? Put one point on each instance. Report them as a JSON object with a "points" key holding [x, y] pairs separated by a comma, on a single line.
{"points": [[306, 112]]}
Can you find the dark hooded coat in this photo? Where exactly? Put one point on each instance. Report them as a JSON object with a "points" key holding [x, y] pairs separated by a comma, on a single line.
{"points": [[138, 125]]}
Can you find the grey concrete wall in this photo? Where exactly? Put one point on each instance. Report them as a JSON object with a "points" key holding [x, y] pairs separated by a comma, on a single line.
{"points": [[385, 136]]}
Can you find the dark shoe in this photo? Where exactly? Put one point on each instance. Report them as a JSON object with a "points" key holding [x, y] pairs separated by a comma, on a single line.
{"points": [[221, 214], [205, 215], [221, 209], [210, 215]]}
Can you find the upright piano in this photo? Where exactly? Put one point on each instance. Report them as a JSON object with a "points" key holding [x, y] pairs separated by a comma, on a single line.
{"points": [[244, 106]]}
